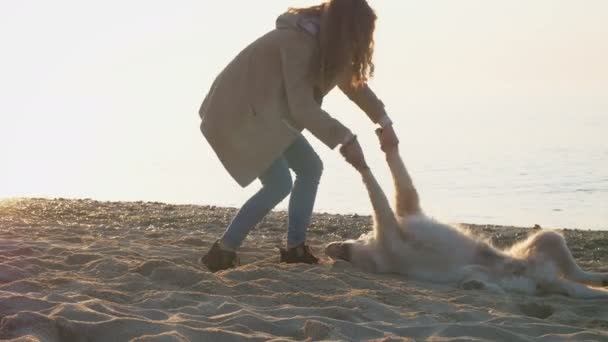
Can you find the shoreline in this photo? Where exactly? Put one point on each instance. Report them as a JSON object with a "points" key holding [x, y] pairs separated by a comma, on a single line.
{"points": [[211, 219], [323, 213]]}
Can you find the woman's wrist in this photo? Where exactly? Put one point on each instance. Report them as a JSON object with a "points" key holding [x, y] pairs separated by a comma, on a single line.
{"points": [[348, 139], [385, 121]]}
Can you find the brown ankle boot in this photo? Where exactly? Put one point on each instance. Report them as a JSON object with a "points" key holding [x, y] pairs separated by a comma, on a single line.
{"points": [[299, 254], [218, 259]]}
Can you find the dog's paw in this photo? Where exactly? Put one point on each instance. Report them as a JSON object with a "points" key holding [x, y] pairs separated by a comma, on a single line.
{"points": [[473, 285]]}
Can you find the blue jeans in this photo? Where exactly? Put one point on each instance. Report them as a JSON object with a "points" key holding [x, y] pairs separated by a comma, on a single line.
{"points": [[276, 185]]}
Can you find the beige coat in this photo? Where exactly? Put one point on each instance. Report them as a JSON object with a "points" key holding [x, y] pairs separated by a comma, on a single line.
{"points": [[260, 103]]}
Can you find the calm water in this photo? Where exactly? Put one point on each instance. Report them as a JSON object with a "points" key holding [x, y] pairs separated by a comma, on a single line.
{"points": [[551, 187], [547, 164], [549, 169]]}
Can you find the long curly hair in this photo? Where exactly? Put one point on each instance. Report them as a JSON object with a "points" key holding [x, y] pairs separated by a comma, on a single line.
{"points": [[346, 39]]}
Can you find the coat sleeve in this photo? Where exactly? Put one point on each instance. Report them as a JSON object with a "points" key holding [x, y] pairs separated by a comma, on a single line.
{"points": [[299, 89], [364, 98]]}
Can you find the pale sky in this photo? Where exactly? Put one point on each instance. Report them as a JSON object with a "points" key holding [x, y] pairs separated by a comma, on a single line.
{"points": [[99, 99]]}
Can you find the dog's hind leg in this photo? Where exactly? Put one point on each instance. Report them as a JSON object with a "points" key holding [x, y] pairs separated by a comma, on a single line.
{"points": [[407, 201], [552, 246], [573, 289]]}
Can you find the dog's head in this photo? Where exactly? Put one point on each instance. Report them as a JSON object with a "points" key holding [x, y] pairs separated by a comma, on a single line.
{"points": [[356, 252], [340, 250]]}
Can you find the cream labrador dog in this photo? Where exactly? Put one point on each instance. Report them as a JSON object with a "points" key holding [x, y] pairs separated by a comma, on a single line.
{"points": [[408, 242]]}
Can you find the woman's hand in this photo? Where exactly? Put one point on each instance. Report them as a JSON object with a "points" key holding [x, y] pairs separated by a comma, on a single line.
{"points": [[353, 154], [388, 138]]}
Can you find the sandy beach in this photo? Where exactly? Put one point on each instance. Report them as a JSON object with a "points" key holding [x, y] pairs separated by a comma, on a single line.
{"points": [[82, 270]]}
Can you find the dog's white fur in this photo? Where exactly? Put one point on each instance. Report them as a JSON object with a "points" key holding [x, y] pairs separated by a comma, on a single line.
{"points": [[410, 243]]}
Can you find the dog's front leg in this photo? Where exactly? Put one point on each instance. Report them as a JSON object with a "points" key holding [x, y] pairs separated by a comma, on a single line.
{"points": [[386, 227], [407, 199]]}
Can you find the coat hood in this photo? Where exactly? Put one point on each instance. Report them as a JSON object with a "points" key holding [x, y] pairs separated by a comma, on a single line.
{"points": [[295, 21]]}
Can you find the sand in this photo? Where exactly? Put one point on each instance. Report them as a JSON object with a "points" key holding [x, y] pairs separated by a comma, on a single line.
{"points": [[82, 270]]}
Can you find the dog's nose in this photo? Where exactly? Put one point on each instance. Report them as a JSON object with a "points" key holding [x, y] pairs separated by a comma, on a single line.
{"points": [[338, 250]]}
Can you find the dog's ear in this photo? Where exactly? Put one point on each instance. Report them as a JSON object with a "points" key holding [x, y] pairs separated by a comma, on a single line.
{"points": [[366, 263]]}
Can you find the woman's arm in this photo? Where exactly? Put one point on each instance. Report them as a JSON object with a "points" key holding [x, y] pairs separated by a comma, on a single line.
{"points": [[367, 100], [304, 109]]}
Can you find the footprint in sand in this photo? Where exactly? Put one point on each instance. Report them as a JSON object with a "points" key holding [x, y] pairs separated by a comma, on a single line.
{"points": [[473, 285], [315, 330], [79, 259], [9, 274], [537, 310]]}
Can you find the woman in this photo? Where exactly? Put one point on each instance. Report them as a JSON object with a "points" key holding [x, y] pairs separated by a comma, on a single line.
{"points": [[260, 103]]}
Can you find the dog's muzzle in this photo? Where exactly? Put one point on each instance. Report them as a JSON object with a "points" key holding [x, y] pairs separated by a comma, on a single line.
{"points": [[339, 251]]}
